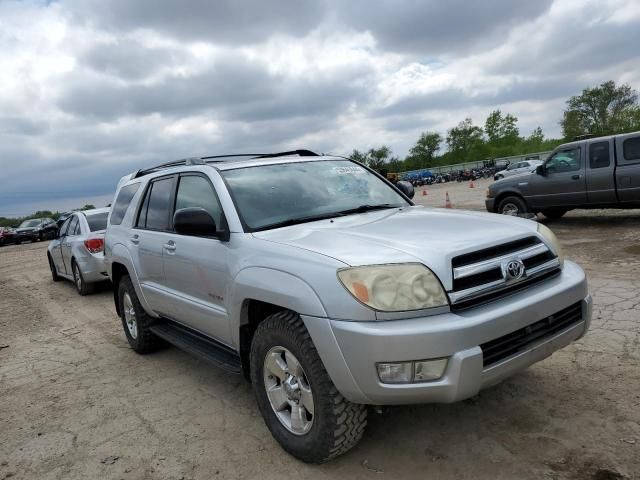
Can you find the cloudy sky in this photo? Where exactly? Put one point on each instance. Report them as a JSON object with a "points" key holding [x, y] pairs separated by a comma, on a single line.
{"points": [[93, 89]]}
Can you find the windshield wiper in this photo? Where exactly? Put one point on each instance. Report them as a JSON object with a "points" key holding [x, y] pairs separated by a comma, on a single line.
{"points": [[325, 216]]}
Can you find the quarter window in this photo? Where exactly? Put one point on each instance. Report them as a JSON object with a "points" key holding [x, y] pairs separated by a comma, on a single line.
{"points": [[122, 203], [159, 204], [564, 161], [599, 155], [631, 149], [196, 191]]}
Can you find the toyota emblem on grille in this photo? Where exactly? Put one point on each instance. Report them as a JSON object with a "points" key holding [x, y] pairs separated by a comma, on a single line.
{"points": [[513, 270]]}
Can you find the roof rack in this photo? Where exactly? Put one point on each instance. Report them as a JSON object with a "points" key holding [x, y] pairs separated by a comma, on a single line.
{"points": [[583, 137], [220, 158]]}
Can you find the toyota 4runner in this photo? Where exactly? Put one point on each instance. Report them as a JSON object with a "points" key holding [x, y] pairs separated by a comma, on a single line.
{"points": [[330, 290]]}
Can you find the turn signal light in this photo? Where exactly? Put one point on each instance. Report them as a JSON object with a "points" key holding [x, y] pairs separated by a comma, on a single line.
{"points": [[94, 245]]}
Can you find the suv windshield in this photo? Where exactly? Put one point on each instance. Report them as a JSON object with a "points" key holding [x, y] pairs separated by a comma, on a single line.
{"points": [[272, 196], [30, 223]]}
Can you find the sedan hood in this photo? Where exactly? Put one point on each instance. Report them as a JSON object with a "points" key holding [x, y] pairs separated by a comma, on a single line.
{"points": [[412, 234], [26, 229]]}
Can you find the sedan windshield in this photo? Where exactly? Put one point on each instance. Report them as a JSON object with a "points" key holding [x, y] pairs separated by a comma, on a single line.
{"points": [[272, 196], [30, 223]]}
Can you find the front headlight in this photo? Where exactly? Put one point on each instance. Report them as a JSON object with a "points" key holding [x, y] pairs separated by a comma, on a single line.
{"points": [[552, 241], [394, 288]]}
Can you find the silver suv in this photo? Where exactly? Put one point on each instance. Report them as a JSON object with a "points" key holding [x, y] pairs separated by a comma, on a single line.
{"points": [[330, 290]]}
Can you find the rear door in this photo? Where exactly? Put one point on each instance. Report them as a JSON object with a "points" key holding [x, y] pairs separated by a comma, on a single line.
{"points": [[197, 268], [628, 168], [601, 187], [149, 240], [563, 184]]}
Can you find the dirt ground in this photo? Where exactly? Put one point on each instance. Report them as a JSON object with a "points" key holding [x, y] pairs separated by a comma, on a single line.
{"points": [[77, 403]]}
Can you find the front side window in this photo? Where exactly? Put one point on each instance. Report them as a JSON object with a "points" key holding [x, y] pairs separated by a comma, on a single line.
{"points": [[270, 196], [122, 203], [72, 226], [65, 227], [564, 161], [196, 191], [159, 204], [599, 155]]}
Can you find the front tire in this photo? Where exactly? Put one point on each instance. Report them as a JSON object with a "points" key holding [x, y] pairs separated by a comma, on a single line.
{"points": [[54, 271], [513, 206], [135, 321], [300, 404]]}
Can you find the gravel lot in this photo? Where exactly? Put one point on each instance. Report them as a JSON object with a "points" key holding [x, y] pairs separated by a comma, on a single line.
{"points": [[77, 403]]}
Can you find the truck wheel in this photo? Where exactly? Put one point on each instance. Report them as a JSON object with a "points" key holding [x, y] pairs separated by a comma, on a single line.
{"points": [[554, 213], [300, 405], [52, 267], [135, 321], [513, 206], [82, 287]]}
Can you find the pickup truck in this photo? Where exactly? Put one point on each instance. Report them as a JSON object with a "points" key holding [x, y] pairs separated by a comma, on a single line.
{"points": [[602, 172]]}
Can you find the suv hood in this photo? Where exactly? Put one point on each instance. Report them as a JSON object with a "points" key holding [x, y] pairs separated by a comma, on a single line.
{"points": [[411, 234]]}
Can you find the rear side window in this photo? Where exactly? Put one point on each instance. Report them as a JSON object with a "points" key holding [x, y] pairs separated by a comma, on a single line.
{"points": [[599, 155], [631, 149], [122, 203], [159, 204], [97, 221]]}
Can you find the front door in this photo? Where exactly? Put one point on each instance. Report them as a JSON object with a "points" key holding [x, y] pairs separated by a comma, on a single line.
{"points": [[67, 241], [56, 247], [563, 182], [197, 267]]}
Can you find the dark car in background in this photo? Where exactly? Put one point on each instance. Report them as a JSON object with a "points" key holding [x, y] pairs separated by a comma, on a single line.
{"points": [[7, 235], [36, 229]]}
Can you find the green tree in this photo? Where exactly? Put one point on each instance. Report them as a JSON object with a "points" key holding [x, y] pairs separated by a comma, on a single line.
{"points": [[88, 206], [423, 153], [502, 129], [358, 156], [376, 158], [602, 110], [464, 139]]}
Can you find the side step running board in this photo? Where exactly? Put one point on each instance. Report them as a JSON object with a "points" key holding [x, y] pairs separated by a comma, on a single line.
{"points": [[196, 344]]}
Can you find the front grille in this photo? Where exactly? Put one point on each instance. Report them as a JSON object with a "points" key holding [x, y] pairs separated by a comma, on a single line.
{"points": [[514, 342], [479, 277]]}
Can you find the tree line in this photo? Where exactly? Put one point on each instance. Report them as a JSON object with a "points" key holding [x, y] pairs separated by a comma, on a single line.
{"points": [[602, 110], [12, 222]]}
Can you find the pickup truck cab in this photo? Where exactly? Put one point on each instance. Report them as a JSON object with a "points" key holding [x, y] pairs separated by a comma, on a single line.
{"points": [[601, 172]]}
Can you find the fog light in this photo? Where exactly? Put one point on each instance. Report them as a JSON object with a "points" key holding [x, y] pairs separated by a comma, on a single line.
{"points": [[426, 370], [400, 372]]}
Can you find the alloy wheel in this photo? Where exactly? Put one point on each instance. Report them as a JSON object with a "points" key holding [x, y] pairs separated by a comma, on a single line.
{"points": [[130, 316], [288, 390]]}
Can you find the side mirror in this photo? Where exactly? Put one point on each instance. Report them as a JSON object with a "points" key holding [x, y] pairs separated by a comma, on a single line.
{"points": [[406, 188], [540, 170], [194, 221]]}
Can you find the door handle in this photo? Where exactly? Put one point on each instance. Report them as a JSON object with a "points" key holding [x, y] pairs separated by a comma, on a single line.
{"points": [[135, 239], [575, 177], [170, 245]]}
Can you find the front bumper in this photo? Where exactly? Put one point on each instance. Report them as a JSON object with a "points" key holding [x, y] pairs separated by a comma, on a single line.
{"points": [[350, 350], [490, 204]]}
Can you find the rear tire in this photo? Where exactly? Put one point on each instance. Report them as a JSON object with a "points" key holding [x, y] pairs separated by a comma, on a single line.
{"points": [[54, 271], [82, 287], [554, 213], [514, 206], [333, 426], [135, 320]]}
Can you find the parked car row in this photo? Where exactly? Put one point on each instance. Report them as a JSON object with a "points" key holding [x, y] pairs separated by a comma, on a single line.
{"points": [[35, 229]]}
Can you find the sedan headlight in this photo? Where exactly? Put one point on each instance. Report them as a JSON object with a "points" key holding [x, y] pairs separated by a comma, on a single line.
{"points": [[552, 241], [394, 288]]}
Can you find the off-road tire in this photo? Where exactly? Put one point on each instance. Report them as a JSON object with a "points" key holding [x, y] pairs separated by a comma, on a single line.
{"points": [[54, 271], [146, 341], [513, 201], [83, 288], [338, 425], [554, 213]]}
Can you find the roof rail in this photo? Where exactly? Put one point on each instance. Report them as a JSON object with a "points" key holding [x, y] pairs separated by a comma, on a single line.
{"points": [[219, 158], [583, 137]]}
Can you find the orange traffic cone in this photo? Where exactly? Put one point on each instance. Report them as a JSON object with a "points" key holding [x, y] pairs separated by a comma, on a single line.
{"points": [[447, 202], [424, 193], [471, 185]]}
